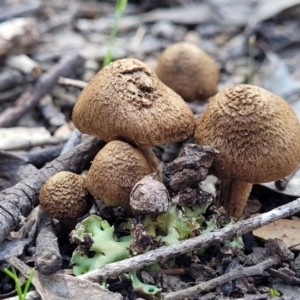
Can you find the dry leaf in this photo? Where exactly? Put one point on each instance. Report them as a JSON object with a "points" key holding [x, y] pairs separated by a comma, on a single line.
{"points": [[284, 229]]}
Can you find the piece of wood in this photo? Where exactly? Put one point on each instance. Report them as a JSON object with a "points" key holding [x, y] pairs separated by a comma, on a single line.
{"points": [[20, 199], [25, 64], [44, 84], [48, 259]]}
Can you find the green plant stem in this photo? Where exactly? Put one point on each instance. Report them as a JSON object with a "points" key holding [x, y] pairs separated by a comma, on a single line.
{"points": [[250, 74], [120, 6], [27, 285], [12, 275], [17, 282]]}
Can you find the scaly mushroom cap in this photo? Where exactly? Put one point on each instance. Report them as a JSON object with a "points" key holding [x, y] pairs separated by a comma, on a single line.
{"points": [[126, 101], [64, 196], [116, 168], [189, 71], [256, 132]]}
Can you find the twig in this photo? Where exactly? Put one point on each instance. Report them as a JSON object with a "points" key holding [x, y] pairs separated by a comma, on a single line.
{"points": [[51, 114], [73, 141], [47, 257], [281, 184], [284, 277], [213, 283], [25, 64], [238, 229], [38, 157], [44, 84], [73, 82], [23, 197]]}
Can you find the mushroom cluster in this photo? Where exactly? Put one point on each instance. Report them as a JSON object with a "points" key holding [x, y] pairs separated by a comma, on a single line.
{"points": [[189, 71], [257, 135], [126, 103]]}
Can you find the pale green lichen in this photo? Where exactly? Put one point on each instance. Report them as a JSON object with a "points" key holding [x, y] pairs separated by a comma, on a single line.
{"points": [[104, 248]]}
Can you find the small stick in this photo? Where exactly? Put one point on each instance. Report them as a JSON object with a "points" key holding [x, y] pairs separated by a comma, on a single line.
{"points": [[44, 84], [73, 82], [25, 64], [213, 283], [74, 140], [284, 277], [53, 116], [38, 157], [281, 184], [113, 270], [47, 258]]}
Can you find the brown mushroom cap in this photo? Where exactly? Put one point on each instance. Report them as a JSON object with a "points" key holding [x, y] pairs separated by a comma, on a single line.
{"points": [[126, 101], [116, 168], [189, 71], [256, 132], [64, 196]]}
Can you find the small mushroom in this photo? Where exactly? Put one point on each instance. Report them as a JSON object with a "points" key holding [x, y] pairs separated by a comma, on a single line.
{"points": [[258, 137], [126, 101], [65, 198], [116, 168], [189, 71]]}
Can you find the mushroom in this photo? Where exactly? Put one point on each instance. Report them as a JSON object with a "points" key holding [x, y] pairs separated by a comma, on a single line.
{"points": [[258, 137], [65, 198], [189, 71], [126, 101], [116, 168]]}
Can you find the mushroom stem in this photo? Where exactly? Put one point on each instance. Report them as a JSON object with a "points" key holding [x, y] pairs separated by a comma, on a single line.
{"points": [[152, 161], [234, 196]]}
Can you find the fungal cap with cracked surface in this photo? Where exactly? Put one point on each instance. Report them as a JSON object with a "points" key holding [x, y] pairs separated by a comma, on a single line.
{"points": [[64, 196], [116, 168], [126, 101], [256, 132], [189, 71]]}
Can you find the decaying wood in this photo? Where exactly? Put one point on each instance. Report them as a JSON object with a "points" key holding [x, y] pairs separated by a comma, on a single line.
{"points": [[47, 256], [20, 199], [44, 84], [213, 283], [113, 270]]}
